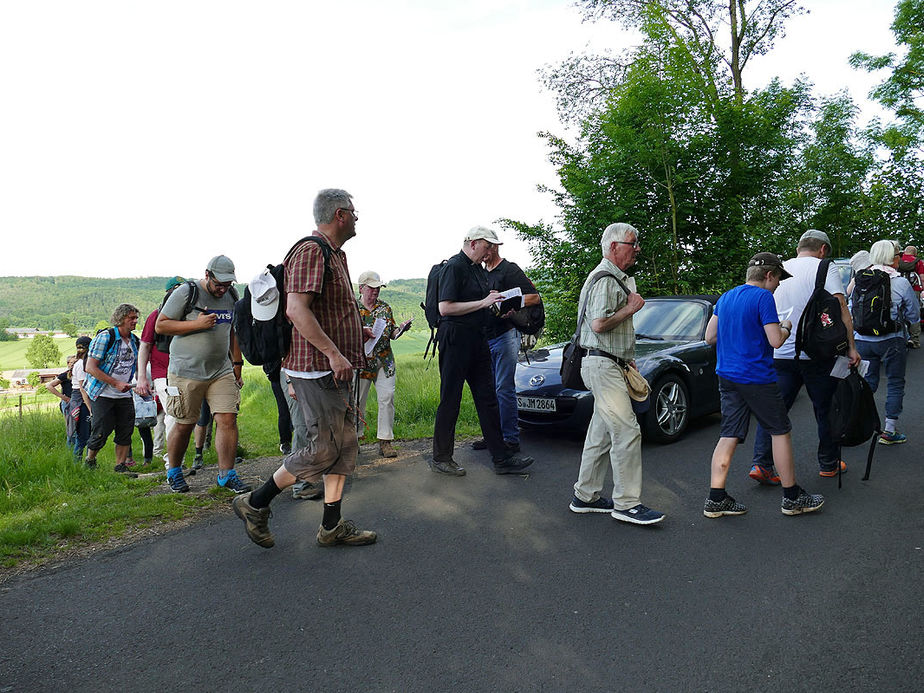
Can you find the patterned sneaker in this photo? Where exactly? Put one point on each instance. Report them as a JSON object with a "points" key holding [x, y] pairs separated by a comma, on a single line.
{"points": [[345, 533], [198, 463], [639, 515], [726, 506], [601, 505], [831, 473], [233, 482], [256, 520], [805, 503], [892, 438], [178, 483], [764, 475]]}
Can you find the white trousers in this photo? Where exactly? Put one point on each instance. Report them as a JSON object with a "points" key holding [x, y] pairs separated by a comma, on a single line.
{"points": [[385, 393], [165, 422], [613, 436]]}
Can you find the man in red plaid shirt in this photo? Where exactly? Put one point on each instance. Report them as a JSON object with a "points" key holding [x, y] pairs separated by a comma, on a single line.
{"points": [[327, 346]]}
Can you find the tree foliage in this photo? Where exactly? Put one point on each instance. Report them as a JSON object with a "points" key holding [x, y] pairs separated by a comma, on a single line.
{"points": [[43, 352], [672, 139], [33, 378]]}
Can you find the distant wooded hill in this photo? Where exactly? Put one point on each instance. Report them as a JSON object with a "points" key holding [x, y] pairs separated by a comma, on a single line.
{"points": [[46, 303]]}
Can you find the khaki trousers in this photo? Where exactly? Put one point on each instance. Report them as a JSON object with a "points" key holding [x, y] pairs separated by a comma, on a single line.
{"points": [[613, 436]]}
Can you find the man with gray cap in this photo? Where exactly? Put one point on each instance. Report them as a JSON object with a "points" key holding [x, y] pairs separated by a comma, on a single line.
{"points": [[792, 370], [464, 356], [205, 364]]}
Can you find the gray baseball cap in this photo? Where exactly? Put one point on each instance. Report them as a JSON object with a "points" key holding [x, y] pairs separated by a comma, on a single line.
{"points": [[222, 267], [819, 235]]}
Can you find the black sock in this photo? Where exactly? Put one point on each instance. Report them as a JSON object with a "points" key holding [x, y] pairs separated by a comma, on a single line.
{"points": [[198, 452], [331, 515], [791, 492], [717, 494], [263, 496]]}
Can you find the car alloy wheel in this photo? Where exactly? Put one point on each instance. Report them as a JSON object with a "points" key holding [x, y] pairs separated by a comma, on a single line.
{"points": [[670, 409]]}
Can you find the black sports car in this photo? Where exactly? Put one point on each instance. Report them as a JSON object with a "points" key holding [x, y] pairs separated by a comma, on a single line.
{"points": [[670, 352]]}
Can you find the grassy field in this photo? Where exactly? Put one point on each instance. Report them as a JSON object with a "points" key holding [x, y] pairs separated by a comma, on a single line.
{"points": [[49, 504], [13, 354]]}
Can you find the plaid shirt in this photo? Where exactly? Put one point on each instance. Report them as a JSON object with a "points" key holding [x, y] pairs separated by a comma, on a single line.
{"points": [[606, 298], [99, 350], [334, 307]]}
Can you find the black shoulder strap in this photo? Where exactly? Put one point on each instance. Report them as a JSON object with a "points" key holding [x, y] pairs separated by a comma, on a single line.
{"points": [[822, 275], [593, 280], [325, 251]]}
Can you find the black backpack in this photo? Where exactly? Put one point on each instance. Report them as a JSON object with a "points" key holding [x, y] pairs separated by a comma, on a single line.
{"points": [[162, 341], [822, 334], [431, 304], [871, 303], [266, 341], [854, 418], [530, 319]]}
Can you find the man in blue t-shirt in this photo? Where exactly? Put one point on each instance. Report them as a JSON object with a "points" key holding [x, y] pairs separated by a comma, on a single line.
{"points": [[745, 328]]}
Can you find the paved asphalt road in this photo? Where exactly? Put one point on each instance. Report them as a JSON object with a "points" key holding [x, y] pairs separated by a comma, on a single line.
{"points": [[489, 583]]}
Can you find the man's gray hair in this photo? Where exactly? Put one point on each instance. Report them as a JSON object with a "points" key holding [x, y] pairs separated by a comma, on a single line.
{"points": [[122, 312], [328, 202], [615, 232], [882, 253]]}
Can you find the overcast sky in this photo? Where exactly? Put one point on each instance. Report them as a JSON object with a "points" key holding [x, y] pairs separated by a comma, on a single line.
{"points": [[141, 139]]}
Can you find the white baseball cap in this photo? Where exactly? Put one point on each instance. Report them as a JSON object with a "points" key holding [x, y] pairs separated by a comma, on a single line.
{"points": [[264, 296]]}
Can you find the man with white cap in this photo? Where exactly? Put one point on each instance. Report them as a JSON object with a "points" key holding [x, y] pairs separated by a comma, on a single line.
{"points": [[380, 361], [205, 364], [464, 356], [792, 370]]}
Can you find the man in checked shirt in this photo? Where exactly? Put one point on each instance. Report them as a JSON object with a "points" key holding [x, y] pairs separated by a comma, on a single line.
{"points": [[327, 345]]}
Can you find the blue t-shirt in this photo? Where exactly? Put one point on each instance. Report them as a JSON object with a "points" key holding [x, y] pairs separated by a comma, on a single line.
{"points": [[744, 354]]}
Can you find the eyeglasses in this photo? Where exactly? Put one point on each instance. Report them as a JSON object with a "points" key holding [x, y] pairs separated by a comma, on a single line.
{"points": [[220, 285], [351, 211], [634, 244]]}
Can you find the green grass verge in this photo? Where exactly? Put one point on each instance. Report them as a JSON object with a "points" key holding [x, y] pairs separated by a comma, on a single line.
{"points": [[48, 503]]}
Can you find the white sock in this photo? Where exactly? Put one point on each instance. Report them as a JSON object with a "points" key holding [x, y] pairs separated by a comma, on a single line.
{"points": [[890, 425]]}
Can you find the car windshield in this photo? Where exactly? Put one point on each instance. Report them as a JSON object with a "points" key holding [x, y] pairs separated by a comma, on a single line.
{"points": [[680, 321]]}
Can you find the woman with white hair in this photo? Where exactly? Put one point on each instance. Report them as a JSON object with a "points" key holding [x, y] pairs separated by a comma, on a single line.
{"points": [[885, 344], [380, 364]]}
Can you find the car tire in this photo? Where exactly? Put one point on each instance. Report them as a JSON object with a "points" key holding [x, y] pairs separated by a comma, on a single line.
{"points": [[669, 414]]}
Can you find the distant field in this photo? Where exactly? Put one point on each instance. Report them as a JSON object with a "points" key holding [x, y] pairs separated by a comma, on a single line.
{"points": [[13, 354]]}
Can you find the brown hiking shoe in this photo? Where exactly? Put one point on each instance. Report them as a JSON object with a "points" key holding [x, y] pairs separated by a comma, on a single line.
{"points": [[345, 533], [386, 449], [256, 521]]}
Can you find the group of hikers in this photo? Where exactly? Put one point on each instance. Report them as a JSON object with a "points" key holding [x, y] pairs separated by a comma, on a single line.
{"points": [[773, 334]]}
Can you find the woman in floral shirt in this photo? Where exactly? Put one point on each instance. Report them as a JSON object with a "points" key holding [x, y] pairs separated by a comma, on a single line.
{"points": [[380, 364]]}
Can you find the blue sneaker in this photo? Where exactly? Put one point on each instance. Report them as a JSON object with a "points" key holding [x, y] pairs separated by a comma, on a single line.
{"points": [[892, 438], [639, 515], [601, 505], [177, 482], [233, 482]]}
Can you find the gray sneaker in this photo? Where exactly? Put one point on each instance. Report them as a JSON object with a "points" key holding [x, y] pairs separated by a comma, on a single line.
{"points": [[305, 490], [256, 521], [449, 467], [726, 506], [805, 503], [345, 533]]}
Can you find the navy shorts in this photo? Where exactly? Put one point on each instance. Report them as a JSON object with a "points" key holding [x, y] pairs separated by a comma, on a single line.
{"points": [[763, 400]]}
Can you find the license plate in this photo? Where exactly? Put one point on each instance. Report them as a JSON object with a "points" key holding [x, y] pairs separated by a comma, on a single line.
{"points": [[535, 403]]}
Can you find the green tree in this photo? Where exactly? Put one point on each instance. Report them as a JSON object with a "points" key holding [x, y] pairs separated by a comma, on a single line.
{"points": [[4, 335], [903, 88], [69, 328], [101, 325], [43, 352], [33, 378]]}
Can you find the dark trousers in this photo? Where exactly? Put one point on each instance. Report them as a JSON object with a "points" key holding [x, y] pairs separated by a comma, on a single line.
{"points": [[464, 357], [791, 375], [283, 419]]}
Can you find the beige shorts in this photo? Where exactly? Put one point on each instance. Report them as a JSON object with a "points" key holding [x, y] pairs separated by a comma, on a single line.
{"points": [[222, 394]]}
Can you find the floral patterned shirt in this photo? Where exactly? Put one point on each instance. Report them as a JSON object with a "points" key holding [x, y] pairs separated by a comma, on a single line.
{"points": [[381, 356]]}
